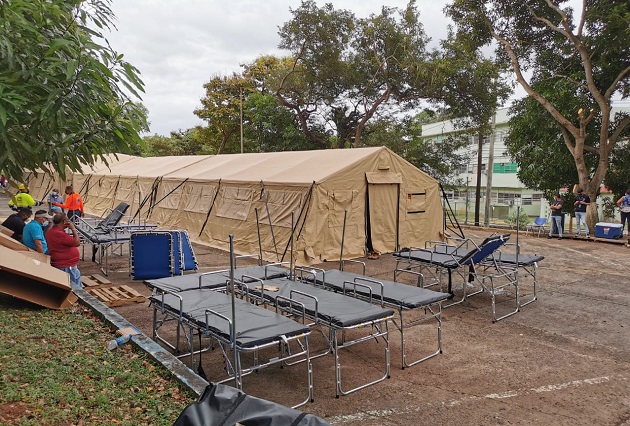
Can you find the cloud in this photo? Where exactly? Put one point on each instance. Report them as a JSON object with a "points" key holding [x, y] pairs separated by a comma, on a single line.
{"points": [[178, 45]]}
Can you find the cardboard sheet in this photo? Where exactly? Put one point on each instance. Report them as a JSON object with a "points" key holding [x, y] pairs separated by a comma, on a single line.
{"points": [[30, 279], [7, 241]]}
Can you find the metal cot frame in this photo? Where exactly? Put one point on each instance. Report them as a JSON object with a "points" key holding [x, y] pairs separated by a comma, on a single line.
{"points": [[434, 261], [492, 278], [322, 316], [216, 280], [293, 345], [379, 292]]}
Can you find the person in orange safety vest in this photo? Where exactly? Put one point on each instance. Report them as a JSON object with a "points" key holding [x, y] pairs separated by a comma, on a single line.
{"points": [[74, 203]]}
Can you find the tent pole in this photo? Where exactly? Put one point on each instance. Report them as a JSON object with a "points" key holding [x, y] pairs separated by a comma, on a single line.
{"points": [[305, 206], [259, 239], [291, 274], [273, 237], [343, 237], [237, 378], [210, 209]]}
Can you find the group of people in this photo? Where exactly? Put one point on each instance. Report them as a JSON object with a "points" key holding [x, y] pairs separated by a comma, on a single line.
{"points": [[582, 201], [51, 232]]}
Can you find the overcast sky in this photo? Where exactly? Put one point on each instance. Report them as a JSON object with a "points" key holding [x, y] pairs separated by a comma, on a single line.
{"points": [[178, 45]]}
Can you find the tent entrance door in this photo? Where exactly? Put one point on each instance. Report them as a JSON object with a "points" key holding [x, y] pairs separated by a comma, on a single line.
{"points": [[383, 215]]}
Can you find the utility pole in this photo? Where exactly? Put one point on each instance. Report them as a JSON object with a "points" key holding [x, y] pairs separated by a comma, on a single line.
{"points": [[467, 196], [478, 187], [489, 170], [241, 119]]}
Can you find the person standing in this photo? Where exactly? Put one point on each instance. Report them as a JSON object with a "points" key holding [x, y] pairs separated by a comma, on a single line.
{"points": [[17, 221], [624, 206], [74, 203], [53, 198], [556, 215], [22, 199], [33, 235], [62, 248], [582, 201]]}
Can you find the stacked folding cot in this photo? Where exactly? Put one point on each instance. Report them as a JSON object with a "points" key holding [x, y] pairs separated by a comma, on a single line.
{"points": [[158, 254], [415, 305], [201, 306], [473, 264]]}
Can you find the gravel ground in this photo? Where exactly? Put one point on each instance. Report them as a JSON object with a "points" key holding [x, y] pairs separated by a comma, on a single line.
{"points": [[562, 360]]}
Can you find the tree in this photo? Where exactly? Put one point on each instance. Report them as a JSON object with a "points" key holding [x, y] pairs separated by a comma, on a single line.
{"points": [[346, 70], [583, 56], [270, 127], [221, 108], [440, 160], [61, 87], [471, 87]]}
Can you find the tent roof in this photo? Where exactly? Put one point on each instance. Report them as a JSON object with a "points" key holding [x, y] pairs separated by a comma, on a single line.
{"points": [[288, 167], [153, 166], [99, 165], [297, 167]]}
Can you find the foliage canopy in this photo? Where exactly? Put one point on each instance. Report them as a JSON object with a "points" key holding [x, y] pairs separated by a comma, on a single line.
{"points": [[572, 64], [62, 99]]}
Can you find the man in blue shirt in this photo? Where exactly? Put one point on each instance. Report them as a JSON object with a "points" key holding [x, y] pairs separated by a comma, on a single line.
{"points": [[33, 234]]}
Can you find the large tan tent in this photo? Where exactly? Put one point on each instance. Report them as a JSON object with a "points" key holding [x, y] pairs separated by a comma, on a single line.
{"points": [[385, 202]]}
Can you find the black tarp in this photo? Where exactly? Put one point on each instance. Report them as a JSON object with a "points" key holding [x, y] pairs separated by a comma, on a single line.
{"points": [[222, 405]]}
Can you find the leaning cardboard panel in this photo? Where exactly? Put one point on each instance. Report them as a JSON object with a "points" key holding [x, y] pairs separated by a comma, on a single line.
{"points": [[30, 279], [9, 242]]}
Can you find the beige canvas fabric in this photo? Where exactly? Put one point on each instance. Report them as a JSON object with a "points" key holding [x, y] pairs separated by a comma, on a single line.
{"points": [[257, 197]]}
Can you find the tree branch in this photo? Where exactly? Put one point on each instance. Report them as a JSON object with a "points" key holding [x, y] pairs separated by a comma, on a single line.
{"points": [[582, 19], [613, 85], [620, 128], [509, 49], [586, 59]]}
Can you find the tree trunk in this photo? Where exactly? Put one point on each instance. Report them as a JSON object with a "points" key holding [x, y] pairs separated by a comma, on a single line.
{"points": [[592, 216]]}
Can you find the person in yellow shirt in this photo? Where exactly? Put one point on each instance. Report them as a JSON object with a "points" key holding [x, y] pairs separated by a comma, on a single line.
{"points": [[22, 199]]}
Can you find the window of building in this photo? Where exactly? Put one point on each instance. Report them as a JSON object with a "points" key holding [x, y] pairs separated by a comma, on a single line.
{"points": [[504, 168], [507, 197]]}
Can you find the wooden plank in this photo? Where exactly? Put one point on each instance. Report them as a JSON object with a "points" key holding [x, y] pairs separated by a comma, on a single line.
{"points": [[131, 290], [100, 279], [89, 282], [116, 295], [103, 297], [610, 240]]}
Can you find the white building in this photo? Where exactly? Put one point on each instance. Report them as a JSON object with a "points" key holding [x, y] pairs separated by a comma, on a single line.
{"points": [[507, 191]]}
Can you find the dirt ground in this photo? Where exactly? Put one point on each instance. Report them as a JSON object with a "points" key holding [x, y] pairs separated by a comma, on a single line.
{"points": [[562, 360]]}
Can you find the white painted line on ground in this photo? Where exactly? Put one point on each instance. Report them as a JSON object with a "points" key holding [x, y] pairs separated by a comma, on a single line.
{"points": [[374, 414]]}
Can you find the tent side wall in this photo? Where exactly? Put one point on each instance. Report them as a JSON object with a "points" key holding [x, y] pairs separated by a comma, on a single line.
{"points": [[417, 218], [210, 210]]}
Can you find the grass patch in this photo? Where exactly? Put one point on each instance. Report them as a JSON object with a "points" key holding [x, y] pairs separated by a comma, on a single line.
{"points": [[56, 370]]}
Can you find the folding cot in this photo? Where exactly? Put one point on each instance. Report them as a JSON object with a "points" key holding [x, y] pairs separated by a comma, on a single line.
{"points": [[452, 257], [105, 233], [216, 280], [526, 263], [337, 312], [209, 313], [435, 260], [401, 297]]}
